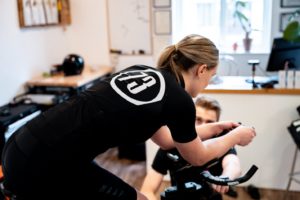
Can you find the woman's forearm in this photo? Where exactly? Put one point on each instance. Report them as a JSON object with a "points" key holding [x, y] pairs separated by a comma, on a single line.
{"points": [[207, 131], [199, 152]]}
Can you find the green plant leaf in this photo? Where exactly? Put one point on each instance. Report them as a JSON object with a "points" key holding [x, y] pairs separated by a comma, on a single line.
{"points": [[241, 16], [240, 3], [292, 31]]}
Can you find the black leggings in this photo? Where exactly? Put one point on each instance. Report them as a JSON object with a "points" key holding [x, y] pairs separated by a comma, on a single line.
{"points": [[31, 173]]}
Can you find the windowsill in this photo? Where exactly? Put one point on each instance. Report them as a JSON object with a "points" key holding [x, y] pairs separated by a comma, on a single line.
{"points": [[243, 52]]}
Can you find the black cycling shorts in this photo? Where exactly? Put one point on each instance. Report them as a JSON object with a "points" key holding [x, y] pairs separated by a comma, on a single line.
{"points": [[31, 178]]}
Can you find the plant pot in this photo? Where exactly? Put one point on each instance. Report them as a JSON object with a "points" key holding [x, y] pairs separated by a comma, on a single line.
{"points": [[247, 44]]}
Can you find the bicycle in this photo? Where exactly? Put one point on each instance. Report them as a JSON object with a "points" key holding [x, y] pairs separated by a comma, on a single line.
{"points": [[198, 190]]}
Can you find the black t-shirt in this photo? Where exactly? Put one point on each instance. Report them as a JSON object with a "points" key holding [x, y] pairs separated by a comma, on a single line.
{"points": [[125, 108], [163, 164]]}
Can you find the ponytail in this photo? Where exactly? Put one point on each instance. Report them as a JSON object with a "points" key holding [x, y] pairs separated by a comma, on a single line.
{"points": [[191, 50]]}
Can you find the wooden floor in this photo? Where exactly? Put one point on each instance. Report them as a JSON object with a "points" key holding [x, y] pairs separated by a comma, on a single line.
{"points": [[133, 172]]}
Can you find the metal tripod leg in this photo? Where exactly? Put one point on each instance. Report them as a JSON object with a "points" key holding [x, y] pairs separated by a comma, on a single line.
{"points": [[291, 174]]}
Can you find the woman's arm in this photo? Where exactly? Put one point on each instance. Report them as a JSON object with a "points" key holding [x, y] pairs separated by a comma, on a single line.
{"points": [[209, 130], [151, 184], [163, 138], [198, 153], [209, 149], [203, 131]]}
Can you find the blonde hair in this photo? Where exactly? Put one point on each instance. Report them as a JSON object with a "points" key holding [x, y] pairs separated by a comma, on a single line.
{"points": [[208, 103], [192, 49]]}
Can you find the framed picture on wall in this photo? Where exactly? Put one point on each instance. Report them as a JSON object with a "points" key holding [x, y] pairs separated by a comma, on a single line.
{"points": [[285, 19], [290, 3], [162, 22], [161, 3], [125, 26], [36, 13]]}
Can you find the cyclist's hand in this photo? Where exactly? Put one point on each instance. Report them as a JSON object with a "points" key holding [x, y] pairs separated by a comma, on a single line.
{"points": [[220, 188], [245, 134]]}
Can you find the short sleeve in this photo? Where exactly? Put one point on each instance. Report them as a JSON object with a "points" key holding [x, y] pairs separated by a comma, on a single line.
{"points": [[181, 116], [160, 162]]}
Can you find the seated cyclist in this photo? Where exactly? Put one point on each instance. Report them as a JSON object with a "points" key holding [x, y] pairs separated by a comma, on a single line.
{"points": [[207, 111]]}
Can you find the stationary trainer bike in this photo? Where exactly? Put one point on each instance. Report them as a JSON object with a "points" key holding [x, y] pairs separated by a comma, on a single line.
{"points": [[198, 189], [188, 186]]}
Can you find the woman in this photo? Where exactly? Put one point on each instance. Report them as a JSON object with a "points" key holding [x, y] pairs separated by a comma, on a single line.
{"points": [[51, 157]]}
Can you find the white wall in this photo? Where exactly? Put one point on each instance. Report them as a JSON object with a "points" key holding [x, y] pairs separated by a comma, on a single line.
{"points": [[88, 33], [25, 53]]}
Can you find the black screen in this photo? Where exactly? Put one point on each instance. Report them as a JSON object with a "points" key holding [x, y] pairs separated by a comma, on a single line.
{"points": [[284, 55]]}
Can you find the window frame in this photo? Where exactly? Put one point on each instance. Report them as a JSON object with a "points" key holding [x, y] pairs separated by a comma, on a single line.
{"points": [[263, 47]]}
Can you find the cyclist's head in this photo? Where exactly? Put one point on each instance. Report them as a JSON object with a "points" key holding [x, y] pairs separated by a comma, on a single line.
{"points": [[208, 110]]}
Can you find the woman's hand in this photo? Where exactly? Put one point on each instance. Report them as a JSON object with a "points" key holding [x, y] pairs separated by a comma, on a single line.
{"points": [[226, 126], [245, 134]]}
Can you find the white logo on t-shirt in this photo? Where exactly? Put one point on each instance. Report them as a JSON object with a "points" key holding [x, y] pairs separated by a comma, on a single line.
{"points": [[139, 86]]}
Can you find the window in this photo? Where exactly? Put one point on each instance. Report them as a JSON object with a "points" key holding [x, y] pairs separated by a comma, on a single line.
{"points": [[215, 19]]}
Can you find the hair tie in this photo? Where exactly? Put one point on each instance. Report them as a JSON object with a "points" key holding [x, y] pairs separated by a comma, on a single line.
{"points": [[176, 48]]}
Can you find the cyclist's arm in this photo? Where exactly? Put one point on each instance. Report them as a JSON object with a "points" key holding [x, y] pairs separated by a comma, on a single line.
{"points": [[151, 184], [231, 166]]}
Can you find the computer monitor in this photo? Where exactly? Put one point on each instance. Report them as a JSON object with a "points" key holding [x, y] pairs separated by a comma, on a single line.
{"points": [[284, 55]]}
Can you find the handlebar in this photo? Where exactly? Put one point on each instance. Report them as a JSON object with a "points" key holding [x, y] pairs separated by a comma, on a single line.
{"points": [[207, 176], [196, 187], [226, 181]]}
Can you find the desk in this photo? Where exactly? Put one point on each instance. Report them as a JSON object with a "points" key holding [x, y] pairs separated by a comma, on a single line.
{"points": [[238, 85], [270, 111], [70, 81], [66, 84]]}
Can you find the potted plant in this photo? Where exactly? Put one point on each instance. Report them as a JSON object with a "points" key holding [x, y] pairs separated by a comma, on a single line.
{"points": [[292, 30], [244, 22]]}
